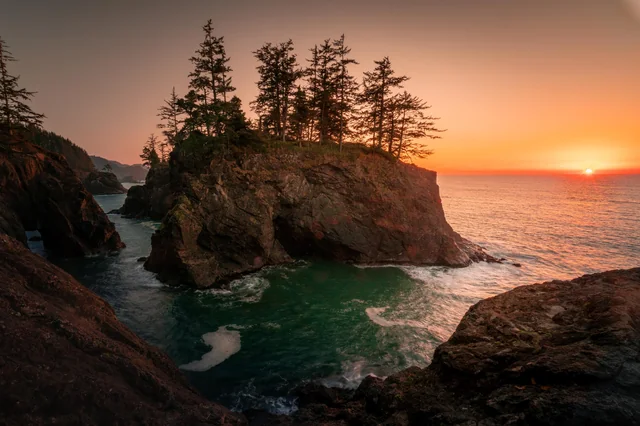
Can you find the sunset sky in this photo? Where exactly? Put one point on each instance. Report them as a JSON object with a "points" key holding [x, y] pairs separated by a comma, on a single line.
{"points": [[520, 85]]}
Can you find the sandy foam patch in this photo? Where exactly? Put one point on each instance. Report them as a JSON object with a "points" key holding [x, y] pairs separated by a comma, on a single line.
{"points": [[223, 343]]}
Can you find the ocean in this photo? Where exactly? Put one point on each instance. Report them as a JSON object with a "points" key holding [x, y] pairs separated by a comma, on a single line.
{"points": [[250, 345]]}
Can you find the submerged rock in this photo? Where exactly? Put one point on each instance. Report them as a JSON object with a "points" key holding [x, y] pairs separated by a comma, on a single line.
{"points": [[264, 209], [39, 191], [103, 183], [67, 360], [558, 353]]}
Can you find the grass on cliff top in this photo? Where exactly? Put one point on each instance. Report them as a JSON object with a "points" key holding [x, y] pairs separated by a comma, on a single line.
{"points": [[350, 150]]}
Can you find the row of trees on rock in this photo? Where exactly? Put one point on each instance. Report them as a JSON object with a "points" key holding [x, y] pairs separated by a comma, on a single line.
{"points": [[323, 101], [320, 101]]}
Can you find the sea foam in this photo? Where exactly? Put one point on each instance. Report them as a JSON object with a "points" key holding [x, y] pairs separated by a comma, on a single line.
{"points": [[374, 315], [223, 343]]}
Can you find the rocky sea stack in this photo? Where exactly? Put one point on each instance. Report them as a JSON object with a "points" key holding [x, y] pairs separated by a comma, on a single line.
{"points": [[243, 213], [41, 192]]}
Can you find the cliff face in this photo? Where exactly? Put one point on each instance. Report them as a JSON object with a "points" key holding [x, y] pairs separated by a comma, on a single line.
{"points": [[559, 353], [265, 209], [97, 182], [39, 191], [66, 359]]}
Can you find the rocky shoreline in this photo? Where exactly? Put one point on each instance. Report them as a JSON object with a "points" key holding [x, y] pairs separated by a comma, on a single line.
{"points": [[558, 353]]}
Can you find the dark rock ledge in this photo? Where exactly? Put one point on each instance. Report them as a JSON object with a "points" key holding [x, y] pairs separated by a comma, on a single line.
{"points": [[558, 353]]}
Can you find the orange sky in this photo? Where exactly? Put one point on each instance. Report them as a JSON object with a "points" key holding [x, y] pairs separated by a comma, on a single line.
{"points": [[551, 85]]}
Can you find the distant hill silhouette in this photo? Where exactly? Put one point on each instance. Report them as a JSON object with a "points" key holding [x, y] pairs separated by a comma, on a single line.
{"points": [[124, 172]]}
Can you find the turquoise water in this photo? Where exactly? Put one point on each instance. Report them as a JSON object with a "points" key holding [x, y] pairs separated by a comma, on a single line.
{"points": [[250, 345]]}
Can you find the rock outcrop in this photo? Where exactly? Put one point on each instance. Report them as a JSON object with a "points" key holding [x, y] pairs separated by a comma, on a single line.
{"points": [[103, 183], [153, 199], [97, 182], [558, 353], [67, 360], [124, 172], [256, 210], [39, 191]]}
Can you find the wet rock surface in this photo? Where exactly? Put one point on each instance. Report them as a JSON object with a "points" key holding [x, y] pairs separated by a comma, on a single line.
{"points": [[245, 213], [67, 360], [558, 353]]}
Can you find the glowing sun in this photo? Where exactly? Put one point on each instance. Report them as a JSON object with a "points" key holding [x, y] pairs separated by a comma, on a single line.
{"points": [[588, 172]]}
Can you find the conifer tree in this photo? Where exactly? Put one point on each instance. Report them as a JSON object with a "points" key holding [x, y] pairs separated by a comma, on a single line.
{"points": [[323, 79], [278, 75], [189, 104], [313, 89], [149, 153], [171, 115], [377, 90], [300, 116], [210, 80], [411, 125], [15, 113], [237, 119], [346, 87]]}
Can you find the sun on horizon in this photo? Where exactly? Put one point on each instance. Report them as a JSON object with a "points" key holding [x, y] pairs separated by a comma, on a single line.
{"points": [[588, 171]]}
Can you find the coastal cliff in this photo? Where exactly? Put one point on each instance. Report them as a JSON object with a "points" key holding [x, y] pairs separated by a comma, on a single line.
{"points": [[97, 182], [39, 191], [255, 210], [558, 353], [67, 360]]}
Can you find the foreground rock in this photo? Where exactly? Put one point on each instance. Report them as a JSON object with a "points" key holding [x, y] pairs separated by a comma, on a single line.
{"points": [[103, 183], [39, 191], [248, 212], [559, 353], [67, 360]]}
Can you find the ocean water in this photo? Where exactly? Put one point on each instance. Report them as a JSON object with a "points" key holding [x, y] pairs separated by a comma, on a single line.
{"points": [[248, 346]]}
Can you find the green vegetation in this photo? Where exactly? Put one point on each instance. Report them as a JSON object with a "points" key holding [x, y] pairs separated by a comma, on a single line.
{"points": [[317, 108]]}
